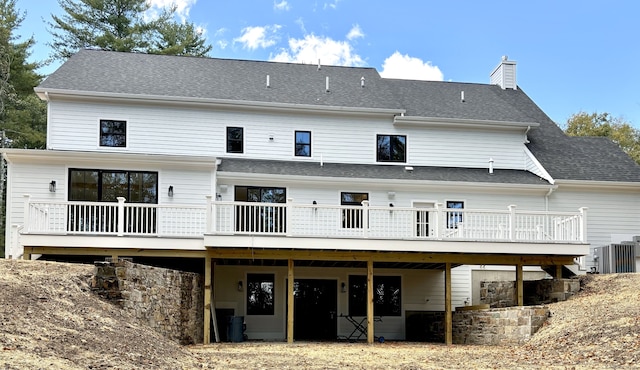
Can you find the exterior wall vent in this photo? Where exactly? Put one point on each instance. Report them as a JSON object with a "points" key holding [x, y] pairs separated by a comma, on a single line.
{"points": [[504, 75]]}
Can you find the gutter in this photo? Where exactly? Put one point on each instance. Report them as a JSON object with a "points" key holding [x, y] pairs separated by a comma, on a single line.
{"points": [[46, 94]]}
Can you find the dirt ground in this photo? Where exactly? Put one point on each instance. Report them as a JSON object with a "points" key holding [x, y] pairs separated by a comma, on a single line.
{"points": [[49, 319]]}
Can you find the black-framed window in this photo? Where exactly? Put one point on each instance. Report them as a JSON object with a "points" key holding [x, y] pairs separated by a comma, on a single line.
{"points": [[387, 295], [260, 294], [453, 217], [391, 148], [263, 219], [107, 185], [235, 140], [113, 133], [352, 218], [303, 144]]}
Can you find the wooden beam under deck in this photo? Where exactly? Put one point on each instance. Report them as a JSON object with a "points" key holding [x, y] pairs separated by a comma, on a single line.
{"points": [[407, 257], [120, 252]]}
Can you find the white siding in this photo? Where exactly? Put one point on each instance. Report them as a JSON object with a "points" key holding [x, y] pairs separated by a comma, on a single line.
{"points": [[610, 212], [345, 139]]}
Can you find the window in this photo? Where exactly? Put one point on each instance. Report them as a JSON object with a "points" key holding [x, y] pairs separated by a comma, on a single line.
{"points": [[454, 218], [106, 186], [260, 218], [235, 140], [113, 133], [303, 144], [351, 216], [260, 294], [386, 295], [392, 148]]}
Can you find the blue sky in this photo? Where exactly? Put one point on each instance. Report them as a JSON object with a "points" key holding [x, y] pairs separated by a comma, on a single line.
{"points": [[572, 55]]}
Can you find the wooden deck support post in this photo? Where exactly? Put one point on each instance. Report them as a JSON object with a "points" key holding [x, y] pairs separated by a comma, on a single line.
{"points": [[370, 328], [558, 271], [519, 285], [448, 319], [207, 299], [290, 302]]}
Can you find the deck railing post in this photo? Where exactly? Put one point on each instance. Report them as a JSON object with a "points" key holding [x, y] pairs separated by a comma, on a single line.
{"points": [[210, 218], [365, 218], [120, 216], [583, 224], [512, 222], [289, 217], [440, 222], [27, 218]]}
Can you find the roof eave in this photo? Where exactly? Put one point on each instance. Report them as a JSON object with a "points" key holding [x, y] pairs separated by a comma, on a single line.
{"points": [[47, 93], [461, 123]]}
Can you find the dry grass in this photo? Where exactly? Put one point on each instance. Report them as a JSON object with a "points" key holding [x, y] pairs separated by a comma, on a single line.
{"points": [[50, 320]]}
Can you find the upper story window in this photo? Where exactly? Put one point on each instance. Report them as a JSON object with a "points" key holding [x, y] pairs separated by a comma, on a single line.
{"points": [[113, 133], [235, 140], [303, 144], [454, 217], [392, 148]]}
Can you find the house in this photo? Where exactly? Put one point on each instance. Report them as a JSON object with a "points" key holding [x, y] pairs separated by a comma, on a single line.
{"points": [[312, 195]]}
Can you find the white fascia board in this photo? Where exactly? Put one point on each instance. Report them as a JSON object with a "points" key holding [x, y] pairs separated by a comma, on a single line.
{"points": [[375, 182], [462, 123], [97, 158], [542, 171], [599, 184], [47, 94]]}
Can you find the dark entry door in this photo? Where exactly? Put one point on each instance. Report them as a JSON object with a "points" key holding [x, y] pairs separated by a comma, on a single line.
{"points": [[315, 306]]}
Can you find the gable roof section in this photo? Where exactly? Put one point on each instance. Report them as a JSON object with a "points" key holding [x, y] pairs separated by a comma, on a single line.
{"points": [[127, 74], [207, 78]]}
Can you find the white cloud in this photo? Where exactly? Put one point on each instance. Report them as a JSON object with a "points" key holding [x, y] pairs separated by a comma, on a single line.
{"points": [[333, 4], [182, 7], [410, 68], [282, 5], [300, 24], [355, 32], [258, 37], [312, 48]]}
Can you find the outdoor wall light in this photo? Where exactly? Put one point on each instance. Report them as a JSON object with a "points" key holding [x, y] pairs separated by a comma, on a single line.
{"points": [[170, 191], [52, 186], [239, 285], [343, 288]]}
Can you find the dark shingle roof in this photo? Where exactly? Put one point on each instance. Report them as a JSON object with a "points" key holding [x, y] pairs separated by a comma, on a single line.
{"points": [[564, 157], [370, 171], [208, 78]]}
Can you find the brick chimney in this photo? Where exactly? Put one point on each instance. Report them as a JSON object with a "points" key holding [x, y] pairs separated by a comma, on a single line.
{"points": [[504, 74]]}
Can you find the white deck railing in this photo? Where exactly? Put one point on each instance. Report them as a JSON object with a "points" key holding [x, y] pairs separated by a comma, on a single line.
{"points": [[304, 220]]}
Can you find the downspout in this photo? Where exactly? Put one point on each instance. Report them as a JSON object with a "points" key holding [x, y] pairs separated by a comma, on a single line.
{"points": [[546, 198]]}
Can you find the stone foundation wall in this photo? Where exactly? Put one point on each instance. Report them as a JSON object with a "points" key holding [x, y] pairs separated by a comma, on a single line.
{"points": [[499, 294], [168, 301], [498, 326]]}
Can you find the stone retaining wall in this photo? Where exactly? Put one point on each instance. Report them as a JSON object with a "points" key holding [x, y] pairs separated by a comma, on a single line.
{"points": [[503, 293], [498, 326], [168, 301]]}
